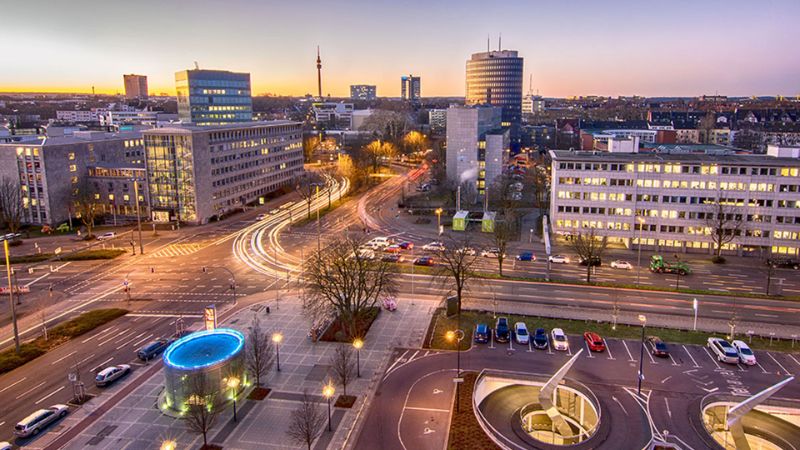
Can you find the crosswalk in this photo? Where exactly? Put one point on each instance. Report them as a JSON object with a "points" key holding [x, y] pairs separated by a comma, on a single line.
{"points": [[173, 250]]}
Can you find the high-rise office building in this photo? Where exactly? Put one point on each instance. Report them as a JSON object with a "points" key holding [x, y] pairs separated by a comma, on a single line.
{"points": [[135, 86], [495, 78], [477, 145], [363, 92], [410, 88], [213, 97]]}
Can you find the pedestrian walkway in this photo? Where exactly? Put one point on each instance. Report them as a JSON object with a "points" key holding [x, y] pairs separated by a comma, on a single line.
{"points": [[178, 250]]}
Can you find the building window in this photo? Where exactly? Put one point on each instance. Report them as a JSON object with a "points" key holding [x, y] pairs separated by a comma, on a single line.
{"points": [[71, 156], [73, 168]]}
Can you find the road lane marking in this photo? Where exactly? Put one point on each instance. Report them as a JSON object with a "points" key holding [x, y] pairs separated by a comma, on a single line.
{"points": [[114, 337], [13, 384], [620, 404], [666, 379], [30, 390], [49, 395], [713, 359], [142, 339], [84, 360], [416, 408], [630, 357], [94, 369], [779, 364], [690, 356], [669, 412], [100, 333], [63, 358], [37, 279]]}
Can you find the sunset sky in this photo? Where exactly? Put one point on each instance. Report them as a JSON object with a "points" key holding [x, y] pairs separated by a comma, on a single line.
{"points": [[579, 47]]}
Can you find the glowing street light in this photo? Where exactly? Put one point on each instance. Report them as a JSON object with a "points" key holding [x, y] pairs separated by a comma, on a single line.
{"points": [[327, 391], [641, 221], [358, 344], [233, 383], [643, 320], [169, 444], [456, 336], [438, 217], [277, 338]]}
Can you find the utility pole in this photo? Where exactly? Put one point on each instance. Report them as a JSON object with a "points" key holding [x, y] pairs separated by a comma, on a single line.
{"points": [[139, 215], [11, 298]]}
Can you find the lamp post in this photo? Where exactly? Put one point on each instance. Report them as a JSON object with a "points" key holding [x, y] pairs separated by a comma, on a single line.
{"points": [[233, 383], [641, 222], [694, 306], [456, 336], [277, 338], [11, 297], [358, 344], [643, 319], [327, 391], [438, 218], [169, 444], [138, 215]]}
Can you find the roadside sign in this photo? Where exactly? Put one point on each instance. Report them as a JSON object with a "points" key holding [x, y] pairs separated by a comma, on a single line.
{"points": [[458, 380], [210, 317], [72, 377], [57, 251]]}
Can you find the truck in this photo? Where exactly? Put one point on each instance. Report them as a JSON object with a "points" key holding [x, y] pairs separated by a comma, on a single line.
{"points": [[657, 264]]}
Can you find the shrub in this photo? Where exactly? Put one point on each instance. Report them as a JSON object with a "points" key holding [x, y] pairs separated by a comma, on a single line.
{"points": [[718, 260]]}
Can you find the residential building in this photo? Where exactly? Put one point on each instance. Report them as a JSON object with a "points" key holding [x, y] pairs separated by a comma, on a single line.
{"points": [[668, 201], [213, 97], [363, 92], [437, 119], [91, 116], [117, 118], [333, 115], [410, 88], [197, 173], [477, 145], [532, 104], [135, 87], [52, 171], [495, 78], [360, 116]]}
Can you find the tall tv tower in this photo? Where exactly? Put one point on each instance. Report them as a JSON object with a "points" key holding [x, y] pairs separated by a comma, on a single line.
{"points": [[319, 75]]}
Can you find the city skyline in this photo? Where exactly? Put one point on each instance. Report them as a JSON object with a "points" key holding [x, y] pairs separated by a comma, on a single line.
{"points": [[624, 48]]}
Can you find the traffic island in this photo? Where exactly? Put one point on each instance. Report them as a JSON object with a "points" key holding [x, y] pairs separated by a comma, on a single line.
{"points": [[345, 401]]}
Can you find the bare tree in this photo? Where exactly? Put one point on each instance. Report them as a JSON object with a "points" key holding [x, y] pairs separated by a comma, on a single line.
{"points": [[203, 406], [260, 351], [376, 151], [306, 422], [310, 144], [307, 185], [86, 205], [11, 208], [346, 281], [505, 229], [589, 247], [725, 222], [343, 365], [456, 264]]}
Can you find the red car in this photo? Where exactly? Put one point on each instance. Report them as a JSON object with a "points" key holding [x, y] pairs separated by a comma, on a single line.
{"points": [[594, 341], [392, 249]]}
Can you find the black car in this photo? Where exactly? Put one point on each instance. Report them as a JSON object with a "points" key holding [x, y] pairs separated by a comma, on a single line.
{"points": [[784, 263], [657, 347], [392, 257], [152, 349], [540, 338], [594, 261], [501, 331], [481, 333]]}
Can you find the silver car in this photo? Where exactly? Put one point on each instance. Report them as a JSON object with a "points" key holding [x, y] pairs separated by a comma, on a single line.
{"points": [[111, 374], [39, 420]]}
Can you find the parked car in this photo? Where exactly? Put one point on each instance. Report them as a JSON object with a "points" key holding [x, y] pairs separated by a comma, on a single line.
{"points": [[493, 252], [261, 217], [392, 258], [434, 246], [481, 333], [152, 349], [657, 346], [594, 341], [39, 420], [593, 261], [381, 242], [394, 248], [560, 341], [469, 251], [111, 374], [526, 256], [406, 245], [424, 261], [540, 338], [746, 356], [723, 350], [424, 187], [620, 264], [521, 333], [107, 236], [364, 253], [785, 263], [501, 331], [558, 259]]}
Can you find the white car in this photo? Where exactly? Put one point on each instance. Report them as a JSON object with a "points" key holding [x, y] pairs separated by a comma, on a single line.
{"points": [[469, 251], [558, 259], [521, 333], [381, 242], [111, 374], [364, 253], [435, 246], [723, 350], [106, 236], [746, 356], [491, 253], [620, 264], [261, 217], [559, 339], [39, 420]]}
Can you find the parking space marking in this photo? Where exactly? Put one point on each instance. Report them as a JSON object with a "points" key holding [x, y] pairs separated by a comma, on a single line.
{"points": [[510, 345], [779, 364], [491, 340], [608, 349], [793, 358], [650, 354], [673, 360], [690, 356], [630, 357], [713, 359], [741, 368], [588, 350], [762, 367], [530, 349]]}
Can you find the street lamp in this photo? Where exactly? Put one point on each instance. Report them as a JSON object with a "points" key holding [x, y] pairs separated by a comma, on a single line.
{"points": [[277, 338], [456, 336], [438, 218], [643, 319], [358, 344], [233, 383], [327, 391], [641, 222], [694, 306], [169, 444]]}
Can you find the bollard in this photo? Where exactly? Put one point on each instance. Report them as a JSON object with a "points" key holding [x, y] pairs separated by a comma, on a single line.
{"points": [[267, 309]]}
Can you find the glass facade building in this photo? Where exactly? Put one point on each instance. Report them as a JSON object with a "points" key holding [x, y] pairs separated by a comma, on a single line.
{"points": [[213, 97], [495, 78], [170, 169], [410, 88]]}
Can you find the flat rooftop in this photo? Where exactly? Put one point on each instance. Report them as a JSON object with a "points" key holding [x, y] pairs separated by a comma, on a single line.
{"points": [[211, 128], [653, 157]]}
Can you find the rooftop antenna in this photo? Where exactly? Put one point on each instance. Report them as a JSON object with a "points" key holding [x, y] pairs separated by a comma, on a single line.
{"points": [[196, 66], [319, 75], [500, 42], [487, 43], [530, 86]]}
